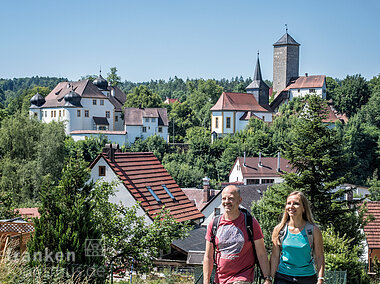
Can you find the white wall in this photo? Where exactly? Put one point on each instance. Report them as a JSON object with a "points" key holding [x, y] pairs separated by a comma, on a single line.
{"points": [[114, 138], [236, 174], [136, 131], [122, 193], [210, 209]]}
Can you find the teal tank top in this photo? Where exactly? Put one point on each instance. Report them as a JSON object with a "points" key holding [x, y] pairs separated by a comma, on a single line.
{"points": [[295, 258]]}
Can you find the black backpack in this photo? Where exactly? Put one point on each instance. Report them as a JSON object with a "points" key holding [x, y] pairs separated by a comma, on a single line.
{"points": [[248, 226]]}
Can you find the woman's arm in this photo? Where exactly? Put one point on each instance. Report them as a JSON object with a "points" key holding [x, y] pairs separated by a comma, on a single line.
{"points": [[274, 259], [319, 255], [208, 262]]}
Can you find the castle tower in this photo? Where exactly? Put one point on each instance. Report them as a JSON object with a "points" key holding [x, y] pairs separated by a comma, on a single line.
{"points": [[258, 87], [285, 61]]}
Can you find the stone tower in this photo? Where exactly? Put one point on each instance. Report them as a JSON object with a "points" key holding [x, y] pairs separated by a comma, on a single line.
{"points": [[258, 87], [285, 62]]}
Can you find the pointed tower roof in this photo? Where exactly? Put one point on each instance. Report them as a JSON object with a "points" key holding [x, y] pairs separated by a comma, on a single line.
{"points": [[286, 39], [257, 74], [257, 81]]}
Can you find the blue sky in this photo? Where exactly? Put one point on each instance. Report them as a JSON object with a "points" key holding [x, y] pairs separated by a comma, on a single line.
{"points": [[158, 39]]}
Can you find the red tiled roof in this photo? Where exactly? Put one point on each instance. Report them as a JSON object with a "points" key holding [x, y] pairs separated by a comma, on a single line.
{"points": [[268, 168], [314, 81], [85, 89], [139, 170], [135, 116], [239, 102], [170, 101], [28, 212], [372, 229], [332, 115]]}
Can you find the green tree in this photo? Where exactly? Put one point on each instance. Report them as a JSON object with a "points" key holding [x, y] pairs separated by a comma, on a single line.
{"points": [[183, 117], [67, 218], [342, 255], [331, 85], [351, 95], [143, 97], [317, 154], [113, 78]]}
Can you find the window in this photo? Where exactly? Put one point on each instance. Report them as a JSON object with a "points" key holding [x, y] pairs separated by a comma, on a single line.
{"points": [[94, 102], [160, 129], [116, 118], [102, 102], [35, 115], [228, 122], [263, 118], [51, 114], [153, 119], [59, 113], [311, 91], [154, 195], [102, 127], [45, 113], [147, 119], [269, 180], [102, 171], [144, 129], [86, 113], [55, 113], [238, 167], [78, 113], [253, 181], [107, 114], [216, 122], [299, 90], [168, 192], [63, 112], [216, 211]]}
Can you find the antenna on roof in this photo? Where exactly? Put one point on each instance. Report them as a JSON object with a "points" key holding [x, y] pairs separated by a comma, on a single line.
{"points": [[286, 28], [258, 53], [100, 70]]}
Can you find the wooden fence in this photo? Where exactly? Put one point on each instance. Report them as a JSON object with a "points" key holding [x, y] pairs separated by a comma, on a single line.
{"points": [[14, 237]]}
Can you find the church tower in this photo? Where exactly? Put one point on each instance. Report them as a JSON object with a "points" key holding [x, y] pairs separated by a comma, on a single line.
{"points": [[258, 87], [285, 61]]}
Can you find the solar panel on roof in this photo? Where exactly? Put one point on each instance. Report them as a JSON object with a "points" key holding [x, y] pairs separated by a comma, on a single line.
{"points": [[168, 192], [154, 195]]}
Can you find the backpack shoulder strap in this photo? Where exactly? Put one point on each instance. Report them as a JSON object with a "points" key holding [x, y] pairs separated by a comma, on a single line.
{"points": [[248, 224], [309, 228], [282, 234], [215, 225]]}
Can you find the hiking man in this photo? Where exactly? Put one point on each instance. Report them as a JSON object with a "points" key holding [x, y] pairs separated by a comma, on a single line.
{"points": [[233, 251]]}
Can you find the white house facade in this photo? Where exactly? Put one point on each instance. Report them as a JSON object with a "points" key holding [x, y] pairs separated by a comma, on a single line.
{"points": [[259, 170]]}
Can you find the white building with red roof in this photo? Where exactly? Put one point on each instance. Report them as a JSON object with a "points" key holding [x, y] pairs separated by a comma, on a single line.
{"points": [[259, 170], [142, 178], [232, 111], [93, 108]]}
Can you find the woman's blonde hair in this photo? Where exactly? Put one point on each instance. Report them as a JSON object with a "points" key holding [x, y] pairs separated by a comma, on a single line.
{"points": [[307, 215]]}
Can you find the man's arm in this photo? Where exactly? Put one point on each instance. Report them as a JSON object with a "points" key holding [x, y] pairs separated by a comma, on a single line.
{"points": [[208, 262], [319, 255], [262, 258]]}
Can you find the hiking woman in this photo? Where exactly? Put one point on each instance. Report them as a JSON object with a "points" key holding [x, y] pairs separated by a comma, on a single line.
{"points": [[297, 253]]}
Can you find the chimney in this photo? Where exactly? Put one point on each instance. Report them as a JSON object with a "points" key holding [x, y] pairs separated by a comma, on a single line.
{"points": [[109, 150], [244, 164], [278, 162], [206, 189], [306, 74], [260, 163]]}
